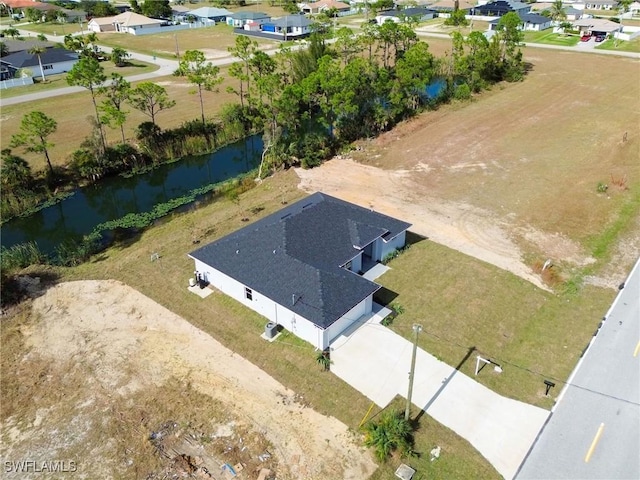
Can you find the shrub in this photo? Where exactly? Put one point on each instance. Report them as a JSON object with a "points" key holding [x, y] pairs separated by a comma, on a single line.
{"points": [[390, 433], [462, 92]]}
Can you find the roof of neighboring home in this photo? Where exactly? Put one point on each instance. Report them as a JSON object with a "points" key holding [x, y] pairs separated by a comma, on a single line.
{"points": [[29, 4], [24, 59], [294, 256], [14, 46], [102, 20], [406, 12], [598, 24], [292, 21], [179, 9], [210, 12], [446, 5], [601, 2], [327, 4], [249, 15], [534, 18], [132, 19], [503, 5]]}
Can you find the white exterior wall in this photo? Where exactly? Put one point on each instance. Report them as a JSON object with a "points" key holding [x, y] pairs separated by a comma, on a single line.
{"points": [[60, 67], [347, 320], [381, 248], [356, 263], [266, 307]]}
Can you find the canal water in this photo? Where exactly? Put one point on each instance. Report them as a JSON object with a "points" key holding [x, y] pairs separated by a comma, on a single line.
{"points": [[115, 197]]}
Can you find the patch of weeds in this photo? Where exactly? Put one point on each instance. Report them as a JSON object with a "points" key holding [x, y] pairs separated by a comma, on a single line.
{"points": [[549, 273], [573, 285], [602, 187], [395, 254]]}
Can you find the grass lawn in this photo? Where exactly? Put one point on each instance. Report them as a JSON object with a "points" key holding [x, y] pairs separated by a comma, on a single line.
{"points": [[60, 80], [622, 46], [463, 304], [60, 29], [549, 38], [288, 359], [214, 41]]}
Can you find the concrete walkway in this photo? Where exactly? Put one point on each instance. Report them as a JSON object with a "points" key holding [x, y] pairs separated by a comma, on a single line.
{"points": [[376, 361]]}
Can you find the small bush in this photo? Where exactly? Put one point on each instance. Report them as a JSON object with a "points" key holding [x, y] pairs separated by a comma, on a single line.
{"points": [[462, 92], [602, 187]]}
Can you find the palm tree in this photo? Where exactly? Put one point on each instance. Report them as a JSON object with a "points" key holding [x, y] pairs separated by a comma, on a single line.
{"points": [[38, 50], [391, 432], [556, 11]]}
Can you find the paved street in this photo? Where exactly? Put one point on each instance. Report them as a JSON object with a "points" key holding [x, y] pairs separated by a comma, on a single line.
{"points": [[594, 432], [376, 361]]}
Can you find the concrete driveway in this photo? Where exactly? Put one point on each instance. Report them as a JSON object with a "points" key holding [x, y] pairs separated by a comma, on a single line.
{"points": [[376, 361]]}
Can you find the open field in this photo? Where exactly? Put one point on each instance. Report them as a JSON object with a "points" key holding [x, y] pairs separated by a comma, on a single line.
{"points": [[71, 112], [60, 29], [213, 41]]}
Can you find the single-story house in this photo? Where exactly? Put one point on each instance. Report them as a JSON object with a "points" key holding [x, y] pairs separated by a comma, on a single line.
{"points": [[211, 14], [501, 7], [179, 13], [16, 8], [240, 19], [301, 266], [289, 27], [596, 26], [323, 6], [400, 16], [7, 71], [127, 22], [634, 8], [70, 16], [101, 24], [530, 22], [54, 60]]}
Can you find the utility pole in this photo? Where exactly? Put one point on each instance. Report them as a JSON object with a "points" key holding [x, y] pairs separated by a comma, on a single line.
{"points": [[416, 329]]}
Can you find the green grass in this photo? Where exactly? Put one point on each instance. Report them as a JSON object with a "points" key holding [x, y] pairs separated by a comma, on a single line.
{"points": [[622, 46], [54, 82], [60, 29], [463, 303], [549, 38]]}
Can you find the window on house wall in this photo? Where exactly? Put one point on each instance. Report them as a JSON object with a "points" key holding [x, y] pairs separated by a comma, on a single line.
{"points": [[248, 294], [47, 67]]}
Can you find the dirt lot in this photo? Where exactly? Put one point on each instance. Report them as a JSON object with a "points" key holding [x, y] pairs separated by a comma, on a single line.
{"points": [[511, 178], [131, 345]]}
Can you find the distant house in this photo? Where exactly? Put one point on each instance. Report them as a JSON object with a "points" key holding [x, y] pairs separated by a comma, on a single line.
{"points": [[596, 26], [448, 6], [211, 14], [529, 22], [16, 8], [54, 60], [302, 267], [180, 13], [600, 5], [323, 6], [501, 7], [400, 16], [240, 19], [289, 27], [127, 22]]}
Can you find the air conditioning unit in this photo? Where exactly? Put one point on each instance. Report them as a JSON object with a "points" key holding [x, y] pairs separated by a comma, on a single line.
{"points": [[270, 330]]}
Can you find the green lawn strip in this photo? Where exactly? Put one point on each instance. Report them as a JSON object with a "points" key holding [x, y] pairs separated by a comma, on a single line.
{"points": [[54, 82], [289, 359], [54, 28], [463, 303], [622, 46], [458, 458], [550, 38], [600, 244]]}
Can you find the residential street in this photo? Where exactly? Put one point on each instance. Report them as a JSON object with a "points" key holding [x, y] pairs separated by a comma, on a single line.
{"points": [[594, 432]]}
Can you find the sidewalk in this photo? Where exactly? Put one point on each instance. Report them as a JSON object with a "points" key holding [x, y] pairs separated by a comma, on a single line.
{"points": [[376, 361]]}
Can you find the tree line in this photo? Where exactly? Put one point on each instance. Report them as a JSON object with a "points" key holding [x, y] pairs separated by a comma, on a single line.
{"points": [[308, 103]]}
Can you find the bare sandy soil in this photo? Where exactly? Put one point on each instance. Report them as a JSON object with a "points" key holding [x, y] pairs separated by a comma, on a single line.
{"points": [[130, 342]]}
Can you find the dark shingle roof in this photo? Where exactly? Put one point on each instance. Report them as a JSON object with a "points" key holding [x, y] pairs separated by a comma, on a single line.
{"points": [[291, 21], [534, 18], [407, 12], [249, 15], [24, 59], [294, 256]]}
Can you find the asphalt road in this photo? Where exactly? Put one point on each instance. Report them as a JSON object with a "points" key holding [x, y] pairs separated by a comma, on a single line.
{"points": [[594, 432]]}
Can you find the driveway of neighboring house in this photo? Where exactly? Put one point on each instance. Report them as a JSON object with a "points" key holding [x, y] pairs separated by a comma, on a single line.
{"points": [[376, 361]]}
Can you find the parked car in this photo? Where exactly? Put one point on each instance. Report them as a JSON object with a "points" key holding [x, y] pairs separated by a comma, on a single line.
{"points": [[585, 38], [600, 38]]}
